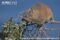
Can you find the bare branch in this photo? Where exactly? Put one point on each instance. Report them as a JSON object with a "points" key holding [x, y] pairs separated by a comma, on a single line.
{"points": [[54, 22], [52, 29]]}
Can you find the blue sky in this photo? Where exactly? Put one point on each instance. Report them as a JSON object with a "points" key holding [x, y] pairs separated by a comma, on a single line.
{"points": [[12, 10]]}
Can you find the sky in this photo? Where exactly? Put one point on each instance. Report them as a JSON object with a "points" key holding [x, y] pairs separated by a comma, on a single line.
{"points": [[13, 10]]}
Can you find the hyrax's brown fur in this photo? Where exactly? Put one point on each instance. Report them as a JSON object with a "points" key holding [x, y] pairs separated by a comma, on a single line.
{"points": [[38, 13]]}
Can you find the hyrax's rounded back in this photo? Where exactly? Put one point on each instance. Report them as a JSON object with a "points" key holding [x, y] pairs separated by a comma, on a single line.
{"points": [[39, 13]]}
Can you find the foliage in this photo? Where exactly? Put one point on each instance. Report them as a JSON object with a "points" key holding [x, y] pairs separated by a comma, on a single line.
{"points": [[13, 30]]}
